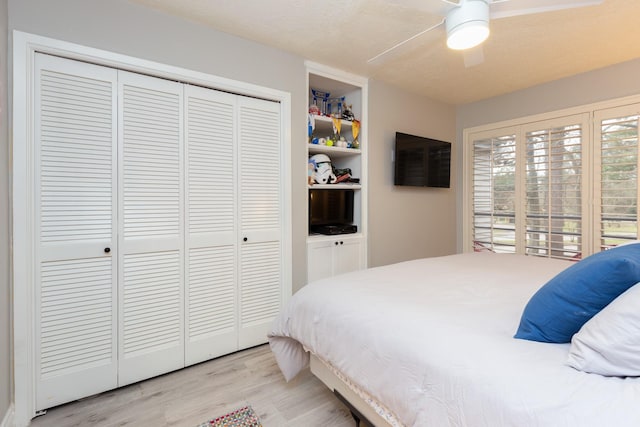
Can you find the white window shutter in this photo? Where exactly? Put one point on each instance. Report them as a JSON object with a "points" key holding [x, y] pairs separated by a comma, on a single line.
{"points": [[553, 189], [494, 193], [616, 165]]}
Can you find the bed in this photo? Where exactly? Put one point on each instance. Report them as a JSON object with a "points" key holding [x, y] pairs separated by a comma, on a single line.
{"points": [[431, 342]]}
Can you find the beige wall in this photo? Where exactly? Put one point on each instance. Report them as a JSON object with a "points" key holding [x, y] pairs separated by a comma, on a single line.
{"points": [[616, 81], [407, 222], [6, 351]]}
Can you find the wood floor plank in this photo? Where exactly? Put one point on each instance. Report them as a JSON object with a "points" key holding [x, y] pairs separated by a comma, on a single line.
{"points": [[193, 395]]}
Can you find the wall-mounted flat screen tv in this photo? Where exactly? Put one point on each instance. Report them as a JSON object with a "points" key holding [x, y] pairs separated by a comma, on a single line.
{"points": [[421, 162]]}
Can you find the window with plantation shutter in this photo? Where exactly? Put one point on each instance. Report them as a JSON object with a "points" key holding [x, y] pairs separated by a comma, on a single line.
{"points": [[553, 191], [564, 187], [616, 210], [527, 192], [494, 202]]}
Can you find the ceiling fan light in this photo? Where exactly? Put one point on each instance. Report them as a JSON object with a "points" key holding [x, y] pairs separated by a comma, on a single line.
{"points": [[468, 35], [468, 25]]}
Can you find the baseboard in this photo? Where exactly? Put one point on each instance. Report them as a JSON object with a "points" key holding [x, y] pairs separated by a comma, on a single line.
{"points": [[7, 420]]}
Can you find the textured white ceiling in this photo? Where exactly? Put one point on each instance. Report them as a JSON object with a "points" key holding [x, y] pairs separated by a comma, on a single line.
{"points": [[521, 51]]}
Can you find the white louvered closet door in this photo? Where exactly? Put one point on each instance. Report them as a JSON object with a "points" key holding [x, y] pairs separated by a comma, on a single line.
{"points": [[260, 177], [151, 301], [211, 230], [75, 266]]}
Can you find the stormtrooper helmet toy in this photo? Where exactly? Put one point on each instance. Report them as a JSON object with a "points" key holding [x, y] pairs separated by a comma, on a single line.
{"points": [[323, 173]]}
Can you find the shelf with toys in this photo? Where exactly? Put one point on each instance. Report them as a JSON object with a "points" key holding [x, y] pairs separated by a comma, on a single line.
{"points": [[336, 175], [333, 132], [334, 150]]}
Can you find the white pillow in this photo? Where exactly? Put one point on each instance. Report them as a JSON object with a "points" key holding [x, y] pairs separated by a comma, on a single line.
{"points": [[609, 343]]}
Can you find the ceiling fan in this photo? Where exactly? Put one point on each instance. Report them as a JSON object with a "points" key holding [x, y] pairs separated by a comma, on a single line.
{"points": [[467, 22]]}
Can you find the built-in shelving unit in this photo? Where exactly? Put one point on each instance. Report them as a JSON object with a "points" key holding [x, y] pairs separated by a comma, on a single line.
{"points": [[328, 255]]}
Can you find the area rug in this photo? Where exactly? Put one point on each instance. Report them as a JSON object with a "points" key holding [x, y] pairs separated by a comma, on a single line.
{"points": [[243, 417]]}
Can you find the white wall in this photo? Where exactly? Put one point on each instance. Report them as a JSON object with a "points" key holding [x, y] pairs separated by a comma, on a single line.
{"points": [[407, 222], [6, 351], [616, 81]]}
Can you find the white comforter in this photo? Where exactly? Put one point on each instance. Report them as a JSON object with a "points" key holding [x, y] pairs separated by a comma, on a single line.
{"points": [[432, 340]]}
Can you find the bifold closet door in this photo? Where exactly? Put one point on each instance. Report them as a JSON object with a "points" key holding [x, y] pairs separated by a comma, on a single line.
{"points": [[211, 224], [75, 230], [151, 296], [260, 178]]}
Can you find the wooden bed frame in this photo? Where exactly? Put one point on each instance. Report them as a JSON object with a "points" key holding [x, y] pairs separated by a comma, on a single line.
{"points": [[362, 412]]}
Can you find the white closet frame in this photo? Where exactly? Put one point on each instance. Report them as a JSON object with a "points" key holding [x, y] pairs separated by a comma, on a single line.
{"points": [[25, 46]]}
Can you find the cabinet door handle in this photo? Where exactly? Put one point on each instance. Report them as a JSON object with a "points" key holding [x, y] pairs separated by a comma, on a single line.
{"points": [[244, 239], [107, 250], [341, 243], [336, 243]]}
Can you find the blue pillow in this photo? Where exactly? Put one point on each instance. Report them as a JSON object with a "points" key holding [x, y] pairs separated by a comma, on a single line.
{"points": [[560, 308]]}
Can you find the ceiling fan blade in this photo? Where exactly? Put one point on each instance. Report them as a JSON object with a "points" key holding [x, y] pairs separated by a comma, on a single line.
{"points": [[505, 9], [405, 46], [473, 56]]}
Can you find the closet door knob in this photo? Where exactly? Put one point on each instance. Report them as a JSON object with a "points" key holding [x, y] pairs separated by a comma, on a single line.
{"points": [[107, 250], [245, 239]]}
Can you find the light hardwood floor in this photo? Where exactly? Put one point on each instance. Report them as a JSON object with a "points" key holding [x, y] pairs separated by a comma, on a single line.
{"points": [[198, 393]]}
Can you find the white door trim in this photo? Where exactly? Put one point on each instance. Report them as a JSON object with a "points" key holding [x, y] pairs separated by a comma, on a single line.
{"points": [[25, 46]]}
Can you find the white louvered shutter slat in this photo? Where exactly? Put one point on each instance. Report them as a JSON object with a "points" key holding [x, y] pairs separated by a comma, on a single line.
{"points": [[494, 204], [260, 218], [553, 188], [75, 192], [151, 205], [616, 138], [211, 241]]}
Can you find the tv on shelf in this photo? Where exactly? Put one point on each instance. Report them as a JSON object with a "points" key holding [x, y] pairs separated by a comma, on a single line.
{"points": [[331, 211], [421, 162]]}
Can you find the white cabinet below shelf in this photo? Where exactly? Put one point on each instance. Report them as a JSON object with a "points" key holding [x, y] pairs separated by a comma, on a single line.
{"points": [[332, 255]]}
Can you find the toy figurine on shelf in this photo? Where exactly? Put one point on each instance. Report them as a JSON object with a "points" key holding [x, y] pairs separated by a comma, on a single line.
{"points": [[323, 170], [314, 109], [342, 175], [347, 113], [323, 98], [334, 107]]}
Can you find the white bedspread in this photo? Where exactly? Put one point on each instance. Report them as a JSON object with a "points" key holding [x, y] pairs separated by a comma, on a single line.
{"points": [[432, 339]]}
